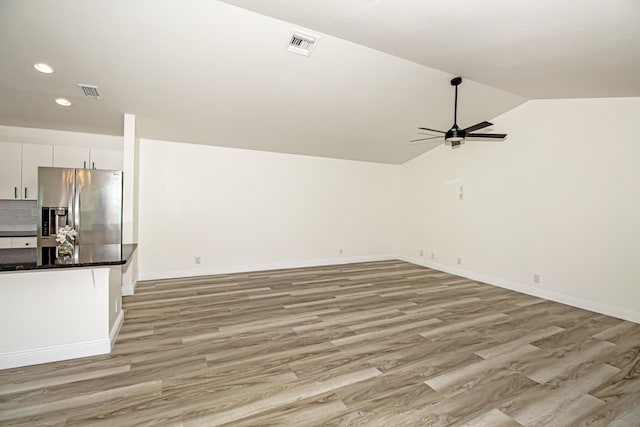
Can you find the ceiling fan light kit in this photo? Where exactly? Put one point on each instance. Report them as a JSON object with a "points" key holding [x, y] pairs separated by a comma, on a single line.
{"points": [[456, 136]]}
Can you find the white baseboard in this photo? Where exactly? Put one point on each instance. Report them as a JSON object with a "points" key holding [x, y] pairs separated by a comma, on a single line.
{"points": [[113, 334], [54, 353], [128, 290], [206, 271], [598, 307]]}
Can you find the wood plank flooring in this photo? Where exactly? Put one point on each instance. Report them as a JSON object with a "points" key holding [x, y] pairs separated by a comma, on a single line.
{"points": [[382, 343]]}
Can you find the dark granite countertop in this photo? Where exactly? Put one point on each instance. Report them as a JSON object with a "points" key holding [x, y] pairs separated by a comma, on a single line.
{"points": [[25, 233], [42, 258]]}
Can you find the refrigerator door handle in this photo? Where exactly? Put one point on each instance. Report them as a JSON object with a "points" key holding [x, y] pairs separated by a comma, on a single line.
{"points": [[71, 214], [76, 213]]}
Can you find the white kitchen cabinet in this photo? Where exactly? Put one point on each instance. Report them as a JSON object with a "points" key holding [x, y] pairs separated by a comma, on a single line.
{"points": [[19, 169], [10, 170], [106, 159], [33, 156], [87, 158], [19, 165], [70, 157], [5, 242]]}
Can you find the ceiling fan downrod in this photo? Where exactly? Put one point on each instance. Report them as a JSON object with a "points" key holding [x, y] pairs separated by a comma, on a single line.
{"points": [[455, 136], [456, 82]]}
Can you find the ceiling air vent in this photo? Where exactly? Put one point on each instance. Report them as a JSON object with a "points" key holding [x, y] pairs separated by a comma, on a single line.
{"points": [[302, 43], [90, 91]]}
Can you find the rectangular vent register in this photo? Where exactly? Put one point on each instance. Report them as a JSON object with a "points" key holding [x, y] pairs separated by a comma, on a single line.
{"points": [[90, 91], [302, 43]]}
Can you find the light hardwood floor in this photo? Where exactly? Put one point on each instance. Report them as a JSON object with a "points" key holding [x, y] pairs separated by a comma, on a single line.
{"points": [[382, 343]]}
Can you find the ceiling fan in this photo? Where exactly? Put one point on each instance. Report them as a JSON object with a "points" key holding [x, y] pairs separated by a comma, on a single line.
{"points": [[456, 136]]}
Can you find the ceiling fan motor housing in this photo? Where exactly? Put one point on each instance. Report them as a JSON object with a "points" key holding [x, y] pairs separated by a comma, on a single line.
{"points": [[455, 134]]}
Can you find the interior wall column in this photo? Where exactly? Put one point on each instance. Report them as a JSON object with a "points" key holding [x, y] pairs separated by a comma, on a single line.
{"points": [[131, 155]]}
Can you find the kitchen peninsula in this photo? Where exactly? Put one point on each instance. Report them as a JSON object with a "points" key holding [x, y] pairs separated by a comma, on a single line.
{"points": [[56, 309]]}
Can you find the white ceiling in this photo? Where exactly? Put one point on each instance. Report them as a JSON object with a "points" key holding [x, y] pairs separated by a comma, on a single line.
{"points": [[533, 48], [207, 72]]}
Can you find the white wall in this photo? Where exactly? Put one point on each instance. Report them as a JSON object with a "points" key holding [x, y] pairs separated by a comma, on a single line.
{"points": [[242, 210], [559, 198]]}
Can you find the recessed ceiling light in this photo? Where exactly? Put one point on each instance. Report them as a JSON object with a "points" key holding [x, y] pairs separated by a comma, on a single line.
{"points": [[43, 68], [63, 101]]}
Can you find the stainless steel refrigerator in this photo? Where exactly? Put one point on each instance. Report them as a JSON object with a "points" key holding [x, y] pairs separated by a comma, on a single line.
{"points": [[89, 200]]}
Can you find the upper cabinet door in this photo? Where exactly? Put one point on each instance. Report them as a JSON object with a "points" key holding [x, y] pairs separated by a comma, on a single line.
{"points": [[33, 156], [10, 170], [107, 159], [70, 157]]}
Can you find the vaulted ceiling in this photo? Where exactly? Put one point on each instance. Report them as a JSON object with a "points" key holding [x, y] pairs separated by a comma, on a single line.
{"points": [[218, 73], [535, 49]]}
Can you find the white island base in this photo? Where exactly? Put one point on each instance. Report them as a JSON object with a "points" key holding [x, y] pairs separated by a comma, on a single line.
{"points": [[58, 314]]}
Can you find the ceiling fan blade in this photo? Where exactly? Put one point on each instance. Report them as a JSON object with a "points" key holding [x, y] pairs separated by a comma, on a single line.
{"points": [[477, 126], [486, 135], [433, 130], [425, 139]]}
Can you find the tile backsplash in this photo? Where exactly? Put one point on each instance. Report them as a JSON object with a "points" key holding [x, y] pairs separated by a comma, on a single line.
{"points": [[18, 215]]}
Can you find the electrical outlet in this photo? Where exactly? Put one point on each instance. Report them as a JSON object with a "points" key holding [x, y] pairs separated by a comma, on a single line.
{"points": [[117, 305], [197, 260], [536, 278], [340, 251], [433, 255], [421, 253], [459, 261]]}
